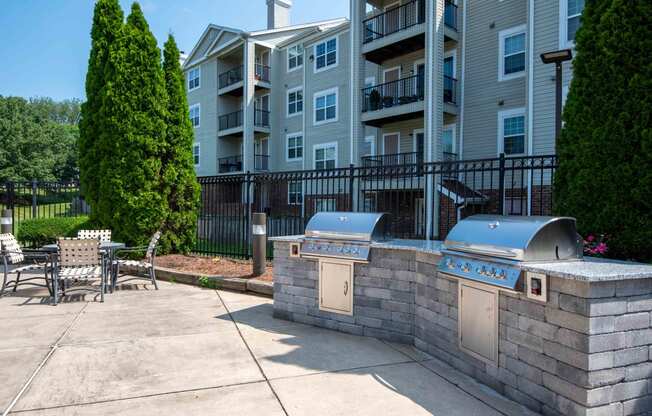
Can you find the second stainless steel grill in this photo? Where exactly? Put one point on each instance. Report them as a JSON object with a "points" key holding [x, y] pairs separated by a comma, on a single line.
{"points": [[345, 235], [490, 249]]}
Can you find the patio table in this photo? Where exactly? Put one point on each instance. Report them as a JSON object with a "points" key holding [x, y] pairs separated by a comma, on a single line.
{"points": [[107, 247]]}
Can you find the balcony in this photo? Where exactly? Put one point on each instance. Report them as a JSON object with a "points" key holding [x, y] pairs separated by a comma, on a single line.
{"points": [[395, 32], [261, 163], [396, 159], [261, 118], [231, 81], [230, 123], [230, 164], [393, 101], [262, 73]]}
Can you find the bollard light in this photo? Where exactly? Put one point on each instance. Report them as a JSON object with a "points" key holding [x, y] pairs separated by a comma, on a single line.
{"points": [[259, 242], [6, 222]]}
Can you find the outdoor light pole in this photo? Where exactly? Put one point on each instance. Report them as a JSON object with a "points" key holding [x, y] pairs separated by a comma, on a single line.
{"points": [[557, 57]]}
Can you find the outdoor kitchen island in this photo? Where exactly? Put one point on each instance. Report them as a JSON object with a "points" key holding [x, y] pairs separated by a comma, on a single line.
{"points": [[576, 341]]}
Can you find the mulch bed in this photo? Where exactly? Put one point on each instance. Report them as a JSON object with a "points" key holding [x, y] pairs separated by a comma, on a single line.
{"points": [[212, 266]]}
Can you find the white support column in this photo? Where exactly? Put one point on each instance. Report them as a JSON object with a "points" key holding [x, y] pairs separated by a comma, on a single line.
{"points": [[248, 100], [357, 13], [434, 106]]}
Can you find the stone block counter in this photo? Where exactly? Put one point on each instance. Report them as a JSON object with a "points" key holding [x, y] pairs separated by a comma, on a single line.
{"points": [[586, 351]]}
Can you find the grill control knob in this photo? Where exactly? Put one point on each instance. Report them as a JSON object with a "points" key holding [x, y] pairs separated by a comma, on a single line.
{"points": [[492, 272], [501, 274], [466, 268], [483, 271], [345, 250]]}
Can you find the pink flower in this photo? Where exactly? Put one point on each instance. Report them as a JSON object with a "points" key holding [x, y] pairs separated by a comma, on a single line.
{"points": [[590, 238], [601, 248]]}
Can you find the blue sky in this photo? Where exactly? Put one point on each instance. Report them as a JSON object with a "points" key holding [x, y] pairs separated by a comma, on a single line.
{"points": [[44, 44]]}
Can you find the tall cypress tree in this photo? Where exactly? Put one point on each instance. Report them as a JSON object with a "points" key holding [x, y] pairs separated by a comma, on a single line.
{"points": [[132, 143], [605, 149], [107, 27], [178, 180]]}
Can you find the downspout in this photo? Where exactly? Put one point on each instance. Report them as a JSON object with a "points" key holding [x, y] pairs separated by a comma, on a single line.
{"points": [[530, 98]]}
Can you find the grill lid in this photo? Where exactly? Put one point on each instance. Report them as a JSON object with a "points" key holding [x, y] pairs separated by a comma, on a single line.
{"points": [[519, 238], [354, 226]]}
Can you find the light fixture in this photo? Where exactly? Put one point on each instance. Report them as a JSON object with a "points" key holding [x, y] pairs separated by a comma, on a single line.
{"points": [[557, 56]]}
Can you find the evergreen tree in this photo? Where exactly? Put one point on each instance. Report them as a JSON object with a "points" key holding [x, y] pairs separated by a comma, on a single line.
{"points": [[178, 180], [605, 149], [107, 26], [132, 138]]}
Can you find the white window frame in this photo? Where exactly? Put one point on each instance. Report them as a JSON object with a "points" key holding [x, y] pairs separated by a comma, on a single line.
{"points": [[325, 93], [287, 102], [563, 25], [452, 127], [398, 142], [394, 68], [337, 55], [451, 54], [522, 29], [323, 146], [502, 115], [287, 146], [414, 140], [198, 69], [326, 200], [300, 192], [198, 147], [198, 106], [372, 140], [296, 45]]}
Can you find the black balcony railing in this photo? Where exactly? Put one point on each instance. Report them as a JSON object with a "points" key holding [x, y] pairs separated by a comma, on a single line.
{"points": [[450, 14], [261, 118], [396, 159], [230, 164], [394, 20], [231, 120], [262, 73], [230, 77], [261, 163], [450, 90], [393, 93]]}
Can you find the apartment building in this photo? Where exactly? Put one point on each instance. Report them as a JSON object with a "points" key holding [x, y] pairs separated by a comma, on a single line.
{"points": [[399, 83]]}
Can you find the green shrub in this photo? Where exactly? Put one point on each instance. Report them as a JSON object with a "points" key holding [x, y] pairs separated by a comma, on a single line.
{"points": [[40, 231]]}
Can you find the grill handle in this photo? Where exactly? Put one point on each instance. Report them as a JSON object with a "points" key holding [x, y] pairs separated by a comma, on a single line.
{"points": [[485, 251]]}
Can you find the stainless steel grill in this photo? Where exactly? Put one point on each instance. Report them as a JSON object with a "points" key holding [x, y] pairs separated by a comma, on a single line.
{"points": [[345, 235], [491, 249]]}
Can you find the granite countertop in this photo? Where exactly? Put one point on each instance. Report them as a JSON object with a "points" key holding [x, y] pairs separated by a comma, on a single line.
{"points": [[588, 270]]}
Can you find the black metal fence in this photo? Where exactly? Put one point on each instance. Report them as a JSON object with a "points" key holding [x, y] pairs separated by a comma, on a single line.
{"points": [[394, 19], [230, 77], [39, 199], [425, 199], [401, 91], [230, 120]]}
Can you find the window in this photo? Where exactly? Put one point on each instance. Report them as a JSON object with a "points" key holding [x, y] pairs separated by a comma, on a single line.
{"points": [[368, 146], [295, 193], [295, 101], [295, 147], [448, 140], [193, 78], [325, 106], [570, 12], [325, 205], [512, 53], [326, 54], [326, 156], [194, 115], [295, 57], [511, 131], [369, 82], [195, 153]]}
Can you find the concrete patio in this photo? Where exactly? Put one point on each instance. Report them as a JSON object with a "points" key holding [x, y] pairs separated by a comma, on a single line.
{"points": [[185, 350]]}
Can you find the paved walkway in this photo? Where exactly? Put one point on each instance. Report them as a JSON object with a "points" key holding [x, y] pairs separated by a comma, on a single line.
{"points": [[189, 351]]}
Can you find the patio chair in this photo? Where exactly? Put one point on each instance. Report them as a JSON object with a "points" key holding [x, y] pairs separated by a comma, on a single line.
{"points": [[123, 257], [18, 260], [103, 235], [79, 259]]}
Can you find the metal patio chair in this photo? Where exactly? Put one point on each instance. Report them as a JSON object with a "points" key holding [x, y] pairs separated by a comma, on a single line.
{"points": [[123, 257], [18, 260], [79, 260], [103, 235]]}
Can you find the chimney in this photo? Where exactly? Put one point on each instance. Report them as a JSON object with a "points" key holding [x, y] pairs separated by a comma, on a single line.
{"points": [[278, 13]]}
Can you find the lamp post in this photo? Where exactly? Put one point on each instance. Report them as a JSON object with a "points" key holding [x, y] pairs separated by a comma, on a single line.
{"points": [[557, 58]]}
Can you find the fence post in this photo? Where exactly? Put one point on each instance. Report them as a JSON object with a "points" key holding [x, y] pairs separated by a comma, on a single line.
{"points": [[351, 173], [248, 214], [501, 183], [34, 188]]}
